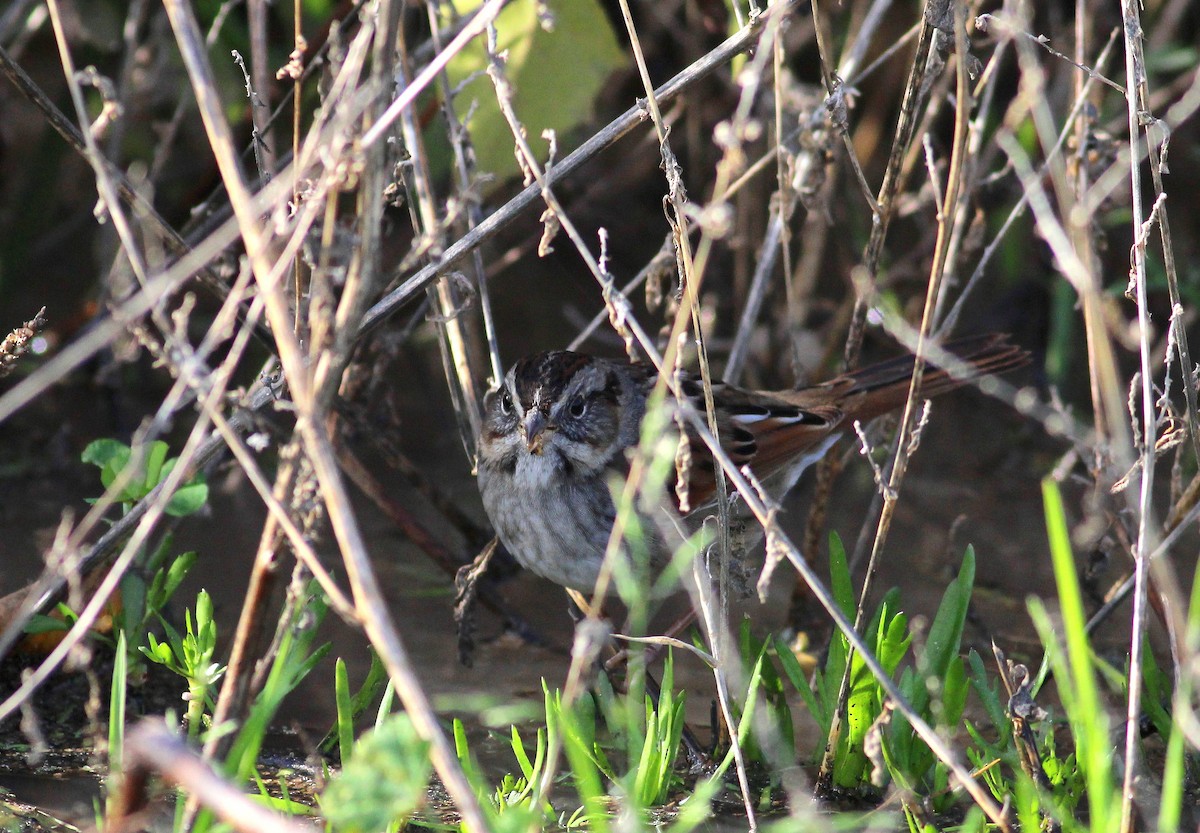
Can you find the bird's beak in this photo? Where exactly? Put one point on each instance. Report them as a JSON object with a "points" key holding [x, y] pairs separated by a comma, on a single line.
{"points": [[533, 426]]}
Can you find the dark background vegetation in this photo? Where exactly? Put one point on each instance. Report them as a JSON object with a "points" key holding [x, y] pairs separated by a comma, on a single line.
{"points": [[976, 475]]}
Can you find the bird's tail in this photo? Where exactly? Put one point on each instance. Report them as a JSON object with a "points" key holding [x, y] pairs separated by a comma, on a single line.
{"points": [[964, 359]]}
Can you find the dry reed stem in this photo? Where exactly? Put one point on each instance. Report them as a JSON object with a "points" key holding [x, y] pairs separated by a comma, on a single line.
{"points": [[454, 344], [947, 209], [911, 104], [152, 748], [260, 75], [1136, 86], [691, 268], [368, 597], [602, 139], [1018, 210], [464, 173]]}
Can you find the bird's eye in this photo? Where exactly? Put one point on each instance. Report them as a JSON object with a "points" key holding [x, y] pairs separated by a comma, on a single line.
{"points": [[577, 407], [506, 405]]}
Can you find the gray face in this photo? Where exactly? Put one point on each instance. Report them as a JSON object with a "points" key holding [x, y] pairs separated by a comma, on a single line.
{"points": [[561, 407]]}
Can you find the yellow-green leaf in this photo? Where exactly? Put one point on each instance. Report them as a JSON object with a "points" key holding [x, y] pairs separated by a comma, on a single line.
{"points": [[555, 75]]}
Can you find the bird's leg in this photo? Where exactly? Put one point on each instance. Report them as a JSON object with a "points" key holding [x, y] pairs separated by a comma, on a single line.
{"points": [[582, 608]]}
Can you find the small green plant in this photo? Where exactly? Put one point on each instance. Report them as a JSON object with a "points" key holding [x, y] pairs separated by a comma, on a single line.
{"points": [[935, 684], [937, 688], [116, 728], [518, 791], [383, 784], [350, 707], [592, 733], [295, 657], [136, 475], [511, 805], [888, 639], [141, 601], [190, 655], [766, 684], [646, 733]]}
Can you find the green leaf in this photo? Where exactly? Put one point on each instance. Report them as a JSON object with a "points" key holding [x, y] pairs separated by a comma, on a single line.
{"points": [[101, 452], [1157, 692], [988, 690], [156, 455], [582, 45], [118, 690], [894, 641], [945, 635], [345, 714], [41, 623], [114, 465], [133, 600], [188, 499], [1075, 674], [204, 611], [166, 582], [954, 693], [518, 748], [158, 556], [357, 704], [840, 583], [159, 652]]}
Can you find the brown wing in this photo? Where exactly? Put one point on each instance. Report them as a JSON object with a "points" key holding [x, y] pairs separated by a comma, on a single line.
{"points": [[755, 429], [771, 431]]}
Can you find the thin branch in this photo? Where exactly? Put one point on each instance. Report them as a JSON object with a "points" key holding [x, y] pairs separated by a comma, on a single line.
{"points": [[616, 129], [1136, 84], [368, 596]]}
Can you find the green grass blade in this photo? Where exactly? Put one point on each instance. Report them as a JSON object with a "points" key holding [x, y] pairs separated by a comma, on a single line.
{"points": [[1171, 804], [840, 582], [1077, 685], [577, 743], [116, 720], [385, 703], [345, 714], [945, 635]]}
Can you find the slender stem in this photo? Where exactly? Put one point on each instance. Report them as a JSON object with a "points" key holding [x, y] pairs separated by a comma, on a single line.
{"points": [[1135, 85]]}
